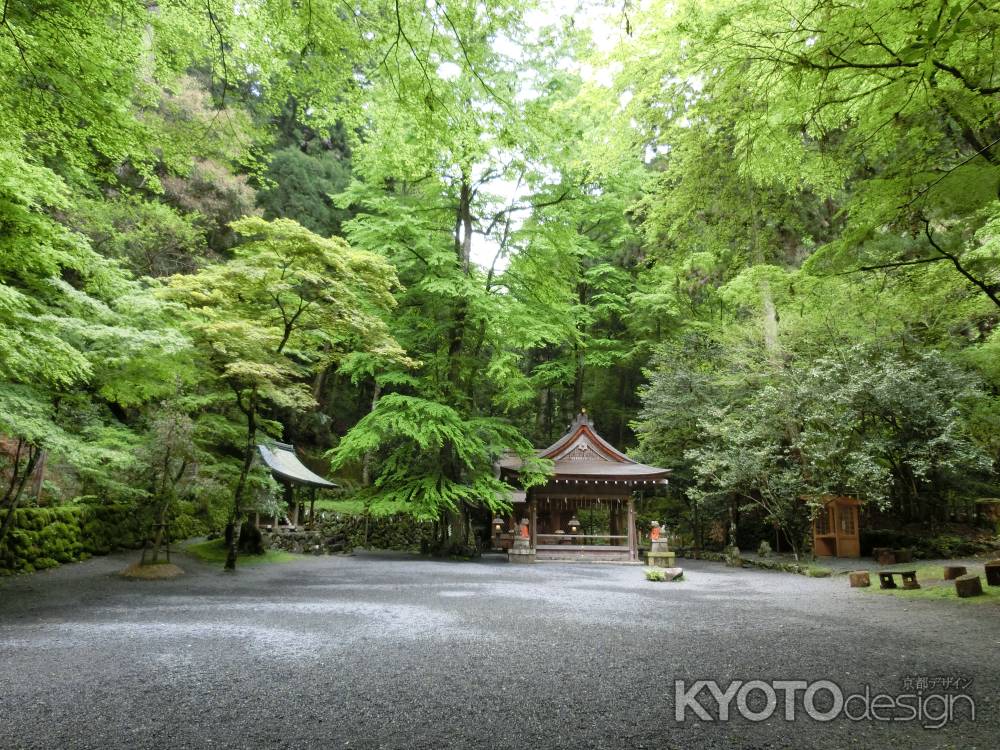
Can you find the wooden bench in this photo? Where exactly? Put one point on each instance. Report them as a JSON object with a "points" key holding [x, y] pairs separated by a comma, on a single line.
{"points": [[886, 580]]}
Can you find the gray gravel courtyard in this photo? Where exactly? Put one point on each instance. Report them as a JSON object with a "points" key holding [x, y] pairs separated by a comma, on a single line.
{"points": [[397, 651]]}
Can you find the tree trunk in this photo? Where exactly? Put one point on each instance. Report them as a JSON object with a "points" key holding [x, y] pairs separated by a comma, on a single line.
{"points": [[463, 241], [161, 522], [463, 254], [455, 533], [770, 324], [18, 480], [236, 520], [36, 489], [366, 479], [578, 376]]}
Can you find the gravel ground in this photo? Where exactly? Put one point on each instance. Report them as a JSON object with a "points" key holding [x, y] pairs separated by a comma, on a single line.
{"points": [[400, 652]]}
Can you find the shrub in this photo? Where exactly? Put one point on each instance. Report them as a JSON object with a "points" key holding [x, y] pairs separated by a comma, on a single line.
{"points": [[733, 557], [652, 574], [816, 571], [764, 549]]}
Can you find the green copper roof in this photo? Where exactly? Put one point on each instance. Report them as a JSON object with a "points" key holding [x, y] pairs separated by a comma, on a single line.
{"points": [[285, 465]]}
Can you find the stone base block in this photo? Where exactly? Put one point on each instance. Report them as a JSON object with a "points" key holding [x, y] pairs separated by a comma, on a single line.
{"points": [[520, 555], [661, 559]]}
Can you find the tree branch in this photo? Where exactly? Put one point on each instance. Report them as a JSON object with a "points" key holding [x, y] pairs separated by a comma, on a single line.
{"points": [[987, 289], [893, 264]]}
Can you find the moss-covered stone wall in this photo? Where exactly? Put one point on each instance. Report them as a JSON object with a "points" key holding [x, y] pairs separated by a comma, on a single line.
{"points": [[45, 537]]}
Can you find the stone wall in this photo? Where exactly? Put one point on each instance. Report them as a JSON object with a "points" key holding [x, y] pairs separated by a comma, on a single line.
{"points": [[342, 533], [42, 538]]}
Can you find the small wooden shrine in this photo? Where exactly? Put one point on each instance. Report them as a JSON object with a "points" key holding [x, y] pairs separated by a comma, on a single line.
{"points": [[836, 528], [590, 475], [287, 469]]}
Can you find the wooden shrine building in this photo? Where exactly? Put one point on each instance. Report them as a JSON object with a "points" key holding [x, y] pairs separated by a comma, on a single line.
{"points": [[287, 469], [591, 478], [836, 528]]}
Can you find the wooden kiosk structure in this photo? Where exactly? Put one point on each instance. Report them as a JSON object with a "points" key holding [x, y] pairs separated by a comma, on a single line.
{"points": [[589, 473], [836, 529], [286, 468]]}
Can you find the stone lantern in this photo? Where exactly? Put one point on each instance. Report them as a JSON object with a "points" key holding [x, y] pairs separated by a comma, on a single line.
{"points": [[522, 551], [659, 554], [497, 524]]}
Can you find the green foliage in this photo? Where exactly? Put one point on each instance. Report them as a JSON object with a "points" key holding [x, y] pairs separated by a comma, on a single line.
{"points": [[761, 239], [659, 576], [818, 571], [863, 422], [214, 551], [73, 76], [933, 587], [148, 237], [287, 287], [301, 187], [430, 459], [36, 252]]}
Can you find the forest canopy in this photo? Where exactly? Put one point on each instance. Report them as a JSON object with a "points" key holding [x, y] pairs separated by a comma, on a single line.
{"points": [[759, 243]]}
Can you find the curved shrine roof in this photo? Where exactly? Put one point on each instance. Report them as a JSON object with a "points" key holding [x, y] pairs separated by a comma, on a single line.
{"points": [[285, 465], [583, 454]]}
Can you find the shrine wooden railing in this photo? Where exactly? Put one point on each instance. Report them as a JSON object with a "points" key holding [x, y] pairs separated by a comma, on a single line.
{"points": [[611, 540]]}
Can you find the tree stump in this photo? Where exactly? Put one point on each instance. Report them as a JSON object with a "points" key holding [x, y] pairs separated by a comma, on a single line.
{"points": [[993, 573], [968, 585], [951, 572], [860, 579]]}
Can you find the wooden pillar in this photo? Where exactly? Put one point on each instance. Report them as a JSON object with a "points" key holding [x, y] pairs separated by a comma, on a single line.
{"points": [[291, 506], [533, 521], [633, 542], [312, 506]]}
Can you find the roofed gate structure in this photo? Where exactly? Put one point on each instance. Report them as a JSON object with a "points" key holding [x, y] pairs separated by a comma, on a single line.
{"points": [[286, 468], [590, 474]]}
